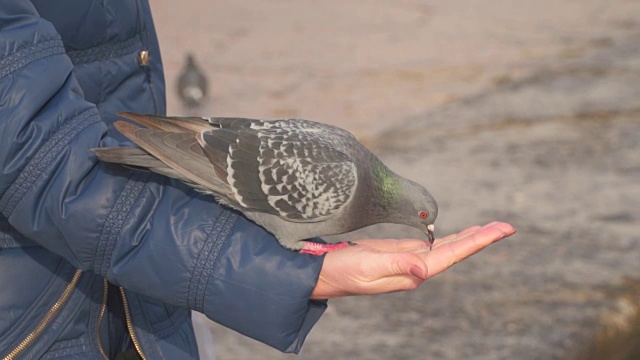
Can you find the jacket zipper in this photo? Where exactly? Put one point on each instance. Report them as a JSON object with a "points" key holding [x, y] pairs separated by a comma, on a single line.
{"points": [[127, 316], [46, 320], [105, 296]]}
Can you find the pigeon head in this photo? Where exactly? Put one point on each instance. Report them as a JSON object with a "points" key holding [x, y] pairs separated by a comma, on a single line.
{"points": [[403, 201], [191, 62], [418, 208]]}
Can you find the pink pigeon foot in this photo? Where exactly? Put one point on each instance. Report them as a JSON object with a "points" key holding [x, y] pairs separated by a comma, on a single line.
{"points": [[317, 249]]}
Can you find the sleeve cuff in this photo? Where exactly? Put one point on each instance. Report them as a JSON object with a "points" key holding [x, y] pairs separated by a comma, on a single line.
{"points": [[262, 290]]}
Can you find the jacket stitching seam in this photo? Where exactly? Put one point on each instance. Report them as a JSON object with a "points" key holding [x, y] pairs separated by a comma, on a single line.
{"points": [[207, 258], [66, 348], [47, 153], [220, 238], [28, 54], [114, 222], [106, 51], [203, 254]]}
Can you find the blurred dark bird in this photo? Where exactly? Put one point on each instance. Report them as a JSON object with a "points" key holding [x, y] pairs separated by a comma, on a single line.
{"points": [[192, 84]]}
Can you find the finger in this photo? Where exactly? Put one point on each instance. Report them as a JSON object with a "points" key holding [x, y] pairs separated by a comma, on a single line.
{"points": [[389, 264], [445, 256], [409, 264], [393, 284], [464, 233], [405, 245], [359, 270], [394, 245], [456, 236], [398, 272], [469, 230], [474, 242]]}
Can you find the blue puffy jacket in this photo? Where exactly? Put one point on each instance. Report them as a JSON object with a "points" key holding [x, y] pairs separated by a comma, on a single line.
{"points": [[96, 259]]}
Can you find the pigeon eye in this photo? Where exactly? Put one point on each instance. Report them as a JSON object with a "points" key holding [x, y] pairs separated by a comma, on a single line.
{"points": [[423, 214]]}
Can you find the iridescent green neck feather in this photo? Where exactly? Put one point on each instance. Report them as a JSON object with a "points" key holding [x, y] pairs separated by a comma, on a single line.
{"points": [[388, 184]]}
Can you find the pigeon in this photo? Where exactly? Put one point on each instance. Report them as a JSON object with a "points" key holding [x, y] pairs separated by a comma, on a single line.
{"points": [[192, 84], [298, 179]]}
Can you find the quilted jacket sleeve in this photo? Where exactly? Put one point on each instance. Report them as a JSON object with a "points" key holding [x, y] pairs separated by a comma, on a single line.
{"points": [[144, 232]]}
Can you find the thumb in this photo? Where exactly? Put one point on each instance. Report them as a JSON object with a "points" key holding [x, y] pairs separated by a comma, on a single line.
{"points": [[419, 272], [409, 264]]}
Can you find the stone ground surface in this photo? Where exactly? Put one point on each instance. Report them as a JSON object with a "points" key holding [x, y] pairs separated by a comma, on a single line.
{"points": [[521, 111]]}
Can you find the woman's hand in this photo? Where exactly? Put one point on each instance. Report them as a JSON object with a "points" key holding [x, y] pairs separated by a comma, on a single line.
{"points": [[382, 266]]}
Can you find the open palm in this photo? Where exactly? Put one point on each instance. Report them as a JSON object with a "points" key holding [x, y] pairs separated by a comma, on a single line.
{"points": [[380, 266]]}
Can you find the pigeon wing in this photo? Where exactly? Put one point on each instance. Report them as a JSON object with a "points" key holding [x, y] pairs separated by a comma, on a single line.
{"points": [[172, 124], [178, 152], [286, 171]]}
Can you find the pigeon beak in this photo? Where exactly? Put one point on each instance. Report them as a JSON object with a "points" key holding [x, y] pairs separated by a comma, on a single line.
{"points": [[430, 234]]}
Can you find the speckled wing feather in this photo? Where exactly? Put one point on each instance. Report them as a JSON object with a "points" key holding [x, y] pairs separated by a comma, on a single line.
{"points": [[288, 168]]}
